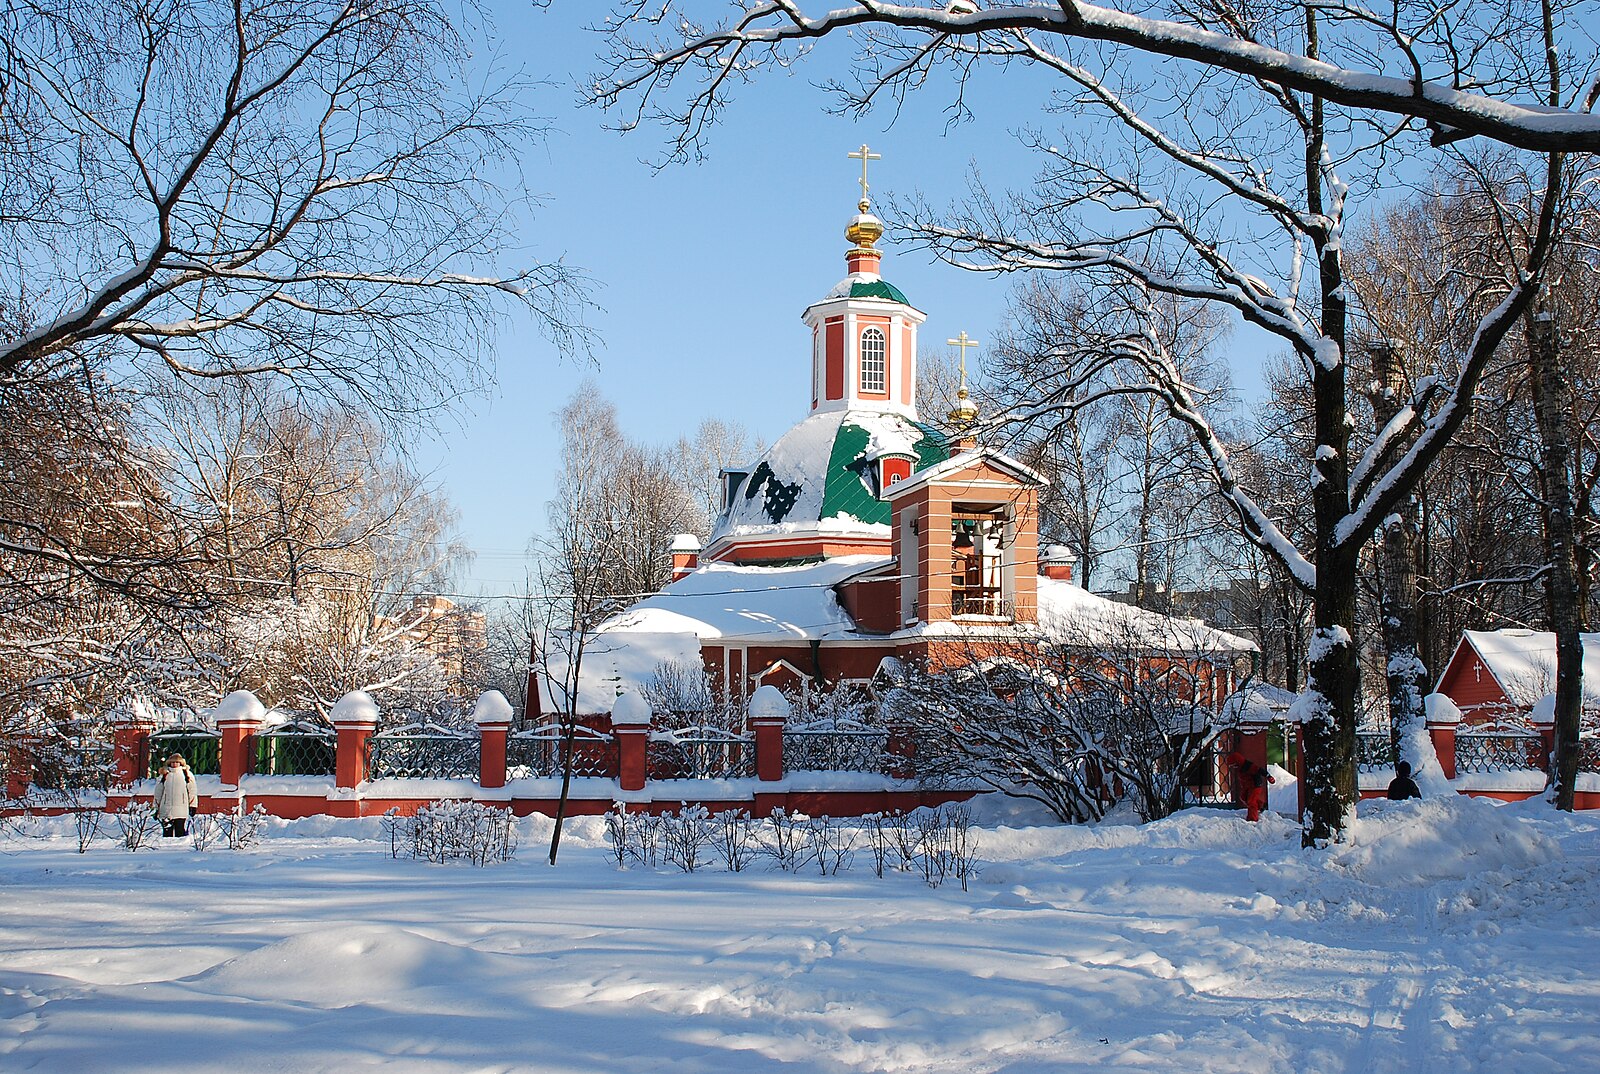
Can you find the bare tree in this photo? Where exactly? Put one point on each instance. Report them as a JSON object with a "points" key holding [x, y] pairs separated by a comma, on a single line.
{"points": [[306, 192]]}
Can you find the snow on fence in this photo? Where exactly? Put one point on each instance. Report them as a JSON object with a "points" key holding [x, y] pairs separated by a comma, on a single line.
{"points": [[540, 752], [700, 752], [837, 766]]}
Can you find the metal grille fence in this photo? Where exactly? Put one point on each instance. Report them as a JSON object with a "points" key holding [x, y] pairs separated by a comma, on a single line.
{"points": [[423, 751], [835, 746], [700, 753], [1498, 751], [1374, 751], [68, 764], [539, 751], [198, 745], [296, 749]]}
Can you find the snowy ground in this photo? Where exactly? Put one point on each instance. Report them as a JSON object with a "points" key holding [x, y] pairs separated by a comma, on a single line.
{"points": [[1454, 936]]}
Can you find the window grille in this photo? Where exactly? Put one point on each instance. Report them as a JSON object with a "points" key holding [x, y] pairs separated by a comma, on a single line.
{"points": [[1374, 751], [296, 749], [874, 364], [835, 746]]}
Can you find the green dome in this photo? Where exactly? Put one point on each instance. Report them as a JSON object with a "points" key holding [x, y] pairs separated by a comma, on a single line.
{"points": [[824, 469], [878, 289]]}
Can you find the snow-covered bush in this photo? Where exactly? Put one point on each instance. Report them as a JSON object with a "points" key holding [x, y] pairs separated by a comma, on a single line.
{"points": [[137, 826], [946, 845], [1073, 729], [831, 846], [240, 826], [879, 829], [785, 840], [203, 831], [735, 840], [687, 835], [683, 695], [451, 830], [86, 824], [633, 836]]}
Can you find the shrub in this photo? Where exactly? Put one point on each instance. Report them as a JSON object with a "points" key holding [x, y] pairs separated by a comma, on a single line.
{"points": [[453, 831], [687, 835], [137, 826]]}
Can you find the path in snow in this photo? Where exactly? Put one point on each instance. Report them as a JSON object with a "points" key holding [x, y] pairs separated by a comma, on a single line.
{"points": [[1456, 936]]}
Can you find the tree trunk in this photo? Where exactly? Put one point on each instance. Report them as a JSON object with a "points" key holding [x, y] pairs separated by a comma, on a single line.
{"points": [[1329, 720], [1561, 581], [1403, 665]]}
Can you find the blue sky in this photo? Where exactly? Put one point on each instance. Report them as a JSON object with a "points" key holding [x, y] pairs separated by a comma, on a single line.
{"points": [[701, 270]]}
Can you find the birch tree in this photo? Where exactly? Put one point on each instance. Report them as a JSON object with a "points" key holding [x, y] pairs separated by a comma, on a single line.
{"points": [[1279, 112]]}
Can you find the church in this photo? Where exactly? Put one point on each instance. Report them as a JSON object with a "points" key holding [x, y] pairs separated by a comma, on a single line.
{"points": [[864, 535]]}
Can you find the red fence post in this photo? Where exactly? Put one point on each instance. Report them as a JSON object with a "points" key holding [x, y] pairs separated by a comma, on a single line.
{"points": [[237, 718], [129, 742], [769, 711], [630, 723], [19, 771], [493, 716], [354, 716], [1442, 719]]}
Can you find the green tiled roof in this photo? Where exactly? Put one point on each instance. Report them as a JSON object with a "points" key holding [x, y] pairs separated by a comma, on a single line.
{"points": [[844, 492], [878, 289]]}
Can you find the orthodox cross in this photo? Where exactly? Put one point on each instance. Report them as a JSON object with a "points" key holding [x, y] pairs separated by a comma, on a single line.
{"points": [[963, 342], [864, 155]]}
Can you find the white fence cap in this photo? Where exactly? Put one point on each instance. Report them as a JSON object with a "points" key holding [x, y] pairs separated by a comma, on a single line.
{"points": [[241, 706], [768, 703], [492, 708], [355, 709], [630, 710]]}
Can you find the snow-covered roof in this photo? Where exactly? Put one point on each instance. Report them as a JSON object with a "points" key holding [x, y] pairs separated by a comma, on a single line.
{"points": [[720, 601], [956, 463], [865, 285], [817, 477], [1523, 662], [1071, 615], [1258, 702], [770, 604], [615, 662]]}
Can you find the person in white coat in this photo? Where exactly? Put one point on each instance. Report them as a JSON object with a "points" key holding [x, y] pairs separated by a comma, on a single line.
{"points": [[176, 797]]}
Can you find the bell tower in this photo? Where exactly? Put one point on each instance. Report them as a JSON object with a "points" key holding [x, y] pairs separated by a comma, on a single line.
{"points": [[864, 331]]}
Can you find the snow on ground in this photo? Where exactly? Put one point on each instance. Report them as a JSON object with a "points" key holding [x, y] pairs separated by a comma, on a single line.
{"points": [[1454, 935]]}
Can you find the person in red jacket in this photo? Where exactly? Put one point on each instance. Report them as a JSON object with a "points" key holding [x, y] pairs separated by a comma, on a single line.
{"points": [[1251, 781]]}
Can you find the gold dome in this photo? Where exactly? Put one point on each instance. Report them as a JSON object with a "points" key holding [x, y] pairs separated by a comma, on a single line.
{"points": [[865, 229], [965, 412]]}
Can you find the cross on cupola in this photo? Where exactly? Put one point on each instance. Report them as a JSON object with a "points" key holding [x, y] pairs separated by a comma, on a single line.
{"points": [[965, 412], [864, 333], [864, 155]]}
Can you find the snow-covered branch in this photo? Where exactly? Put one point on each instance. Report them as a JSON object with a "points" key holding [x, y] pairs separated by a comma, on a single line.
{"points": [[1437, 88]]}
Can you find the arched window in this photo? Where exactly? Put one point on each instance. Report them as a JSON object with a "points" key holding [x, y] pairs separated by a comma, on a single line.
{"points": [[874, 367]]}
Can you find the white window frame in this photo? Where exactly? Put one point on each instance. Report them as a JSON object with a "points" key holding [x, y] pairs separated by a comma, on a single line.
{"points": [[878, 369]]}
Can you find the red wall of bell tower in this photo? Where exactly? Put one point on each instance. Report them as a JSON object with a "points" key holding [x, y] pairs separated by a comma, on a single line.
{"points": [[833, 359]]}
